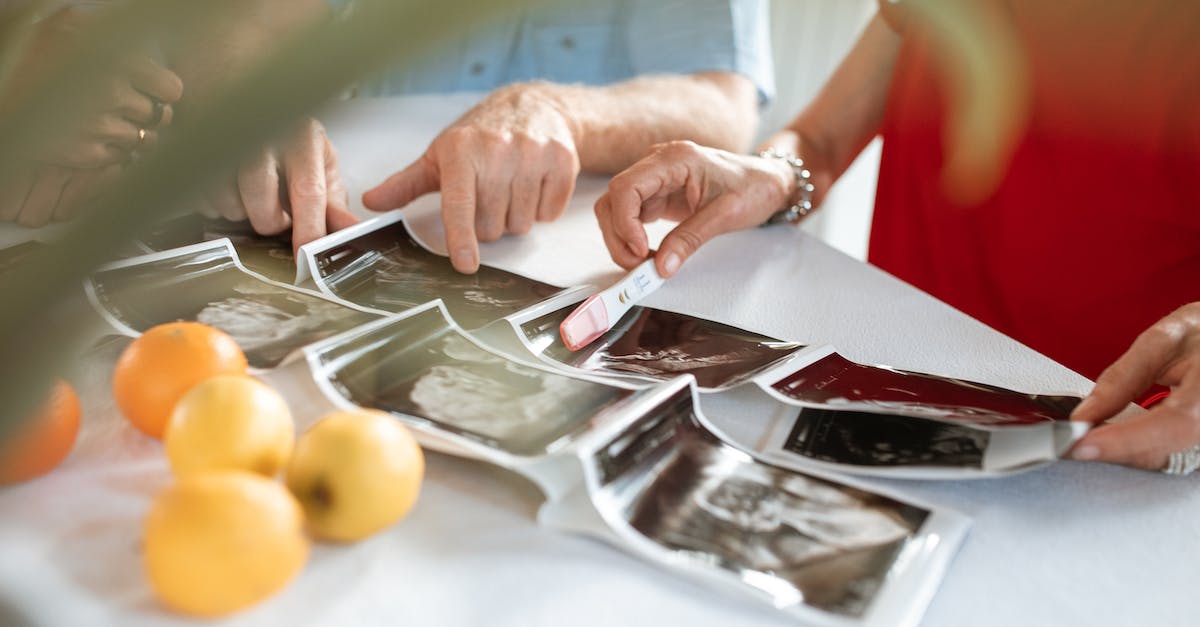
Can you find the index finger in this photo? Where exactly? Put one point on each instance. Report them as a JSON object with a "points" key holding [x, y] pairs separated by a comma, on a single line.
{"points": [[620, 252], [458, 214], [628, 191], [1130, 375], [1147, 440], [304, 167]]}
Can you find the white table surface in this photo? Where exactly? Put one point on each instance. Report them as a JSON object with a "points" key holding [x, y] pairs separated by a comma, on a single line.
{"points": [[1070, 544]]}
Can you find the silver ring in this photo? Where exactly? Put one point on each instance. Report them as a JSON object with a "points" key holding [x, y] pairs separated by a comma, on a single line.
{"points": [[1184, 462], [141, 136]]}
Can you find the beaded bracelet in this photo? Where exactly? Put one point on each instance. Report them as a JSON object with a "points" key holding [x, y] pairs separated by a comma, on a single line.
{"points": [[802, 203]]}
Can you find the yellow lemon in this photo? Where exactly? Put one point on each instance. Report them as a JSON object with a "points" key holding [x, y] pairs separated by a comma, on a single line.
{"points": [[230, 422], [218, 542], [355, 473]]}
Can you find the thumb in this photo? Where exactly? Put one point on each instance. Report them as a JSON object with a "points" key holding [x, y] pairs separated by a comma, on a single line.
{"points": [[684, 240], [403, 187]]}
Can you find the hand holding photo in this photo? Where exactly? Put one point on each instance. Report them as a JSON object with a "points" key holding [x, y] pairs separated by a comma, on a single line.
{"points": [[601, 312], [882, 421]]}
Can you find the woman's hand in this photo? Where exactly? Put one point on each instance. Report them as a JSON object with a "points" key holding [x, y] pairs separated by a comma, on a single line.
{"points": [[1168, 354], [123, 111], [709, 191], [124, 116]]}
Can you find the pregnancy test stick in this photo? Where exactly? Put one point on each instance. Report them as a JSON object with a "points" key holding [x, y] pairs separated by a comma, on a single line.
{"points": [[600, 312]]}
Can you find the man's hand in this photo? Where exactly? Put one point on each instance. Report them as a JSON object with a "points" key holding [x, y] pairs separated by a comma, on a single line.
{"points": [[1168, 354], [709, 191], [508, 162], [295, 185]]}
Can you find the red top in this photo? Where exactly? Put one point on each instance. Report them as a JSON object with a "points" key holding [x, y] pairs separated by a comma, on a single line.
{"points": [[1095, 232]]}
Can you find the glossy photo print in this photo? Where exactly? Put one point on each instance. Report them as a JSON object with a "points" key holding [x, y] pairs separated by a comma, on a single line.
{"points": [[422, 369], [836, 381], [657, 344], [205, 284], [387, 269], [800, 539], [15, 256], [870, 439], [268, 255]]}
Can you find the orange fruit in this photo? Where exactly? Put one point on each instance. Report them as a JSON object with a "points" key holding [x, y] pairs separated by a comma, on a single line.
{"points": [[37, 446], [217, 542], [159, 367], [230, 422]]}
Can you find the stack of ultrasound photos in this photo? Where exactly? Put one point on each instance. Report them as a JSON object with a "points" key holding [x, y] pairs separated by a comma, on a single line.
{"points": [[614, 435]]}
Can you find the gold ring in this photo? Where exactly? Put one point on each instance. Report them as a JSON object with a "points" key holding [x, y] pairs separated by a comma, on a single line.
{"points": [[141, 135]]}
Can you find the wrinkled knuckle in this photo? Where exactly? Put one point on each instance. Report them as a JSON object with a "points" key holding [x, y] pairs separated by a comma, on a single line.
{"points": [[688, 240], [496, 152], [520, 227], [306, 187], [488, 232], [456, 138], [1167, 330], [527, 144], [680, 148], [458, 199]]}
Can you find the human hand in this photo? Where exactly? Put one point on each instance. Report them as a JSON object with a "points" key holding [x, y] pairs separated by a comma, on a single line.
{"points": [[508, 162], [122, 109], [296, 184], [49, 192], [1168, 354], [709, 191]]}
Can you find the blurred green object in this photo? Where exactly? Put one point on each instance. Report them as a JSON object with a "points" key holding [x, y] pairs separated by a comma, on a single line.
{"points": [[291, 81], [42, 307]]}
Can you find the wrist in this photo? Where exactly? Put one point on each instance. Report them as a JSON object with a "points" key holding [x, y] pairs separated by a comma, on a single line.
{"points": [[547, 97], [798, 184]]}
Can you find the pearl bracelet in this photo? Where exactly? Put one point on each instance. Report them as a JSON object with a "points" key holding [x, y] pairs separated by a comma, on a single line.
{"points": [[802, 205]]}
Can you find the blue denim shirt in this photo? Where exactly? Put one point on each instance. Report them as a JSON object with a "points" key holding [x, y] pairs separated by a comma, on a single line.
{"points": [[596, 42]]}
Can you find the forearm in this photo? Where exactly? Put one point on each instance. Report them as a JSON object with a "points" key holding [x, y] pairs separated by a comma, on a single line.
{"points": [[848, 112], [613, 126]]}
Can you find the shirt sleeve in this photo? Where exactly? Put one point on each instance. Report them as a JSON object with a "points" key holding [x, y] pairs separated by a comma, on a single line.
{"points": [[703, 36]]}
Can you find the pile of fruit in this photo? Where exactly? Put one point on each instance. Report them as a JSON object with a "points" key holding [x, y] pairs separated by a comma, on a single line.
{"points": [[228, 533]]}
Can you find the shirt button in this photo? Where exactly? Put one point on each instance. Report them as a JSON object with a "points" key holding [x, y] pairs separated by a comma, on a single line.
{"points": [[477, 68], [568, 42]]}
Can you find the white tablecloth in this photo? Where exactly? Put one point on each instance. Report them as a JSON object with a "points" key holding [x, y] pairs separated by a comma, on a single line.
{"points": [[1071, 544]]}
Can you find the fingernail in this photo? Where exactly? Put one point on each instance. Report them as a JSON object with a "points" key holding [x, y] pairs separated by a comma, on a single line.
{"points": [[670, 263], [466, 258], [1086, 452]]}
